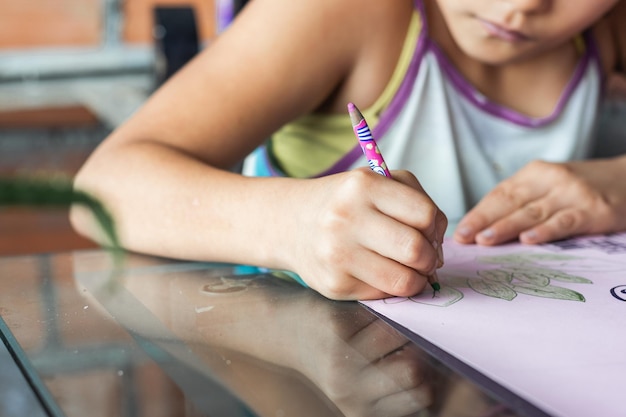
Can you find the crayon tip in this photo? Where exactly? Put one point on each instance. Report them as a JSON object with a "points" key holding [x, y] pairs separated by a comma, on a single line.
{"points": [[355, 114], [436, 286]]}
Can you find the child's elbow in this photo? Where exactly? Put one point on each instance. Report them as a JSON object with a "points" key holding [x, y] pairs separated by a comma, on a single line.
{"points": [[83, 222], [81, 217]]}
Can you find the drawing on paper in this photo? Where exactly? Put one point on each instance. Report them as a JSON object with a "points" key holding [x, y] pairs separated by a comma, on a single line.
{"points": [[231, 284], [619, 292], [609, 244], [530, 274]]}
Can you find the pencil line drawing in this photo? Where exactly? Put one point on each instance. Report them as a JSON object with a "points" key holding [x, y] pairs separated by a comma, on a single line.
{"points": [[619, 292], [524, 273], [610, 244]]}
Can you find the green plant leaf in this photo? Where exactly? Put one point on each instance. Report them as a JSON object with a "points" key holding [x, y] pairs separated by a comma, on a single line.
{"points": [[31, 192], [549, 291], [492, 289]]}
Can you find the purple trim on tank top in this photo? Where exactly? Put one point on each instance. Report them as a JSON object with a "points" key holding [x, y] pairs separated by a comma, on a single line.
{"points": [[468, 91], [390, 114]]}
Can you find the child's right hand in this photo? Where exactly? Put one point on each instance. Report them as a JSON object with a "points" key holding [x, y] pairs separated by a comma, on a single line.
{"points": [[360, 235]]}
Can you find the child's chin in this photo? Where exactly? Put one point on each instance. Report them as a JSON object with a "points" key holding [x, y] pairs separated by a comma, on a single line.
{"points": [[494, 51]]}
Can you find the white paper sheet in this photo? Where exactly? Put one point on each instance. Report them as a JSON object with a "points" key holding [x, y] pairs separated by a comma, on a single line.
{"points": [[546, 322]]}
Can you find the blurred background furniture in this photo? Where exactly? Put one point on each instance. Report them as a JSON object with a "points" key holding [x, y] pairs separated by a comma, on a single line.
{"points": [[70, 72]]}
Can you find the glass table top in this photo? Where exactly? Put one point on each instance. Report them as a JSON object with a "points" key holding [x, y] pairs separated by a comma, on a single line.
{"points": [[166, 338]]}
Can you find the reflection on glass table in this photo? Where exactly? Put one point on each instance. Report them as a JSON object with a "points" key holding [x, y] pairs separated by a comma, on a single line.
{"points": [[192, 339]]}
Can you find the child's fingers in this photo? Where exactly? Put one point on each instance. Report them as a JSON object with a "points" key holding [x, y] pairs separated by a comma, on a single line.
{"points": [[373, 237], [389, 276], [375, 341], [417, 209], [398, 372], [404, 403], [351, 289], [480, 221], [506, 198], [548, 201], [524, 218], [368, 275], [564, 223], [441, 227], [399, 242]]}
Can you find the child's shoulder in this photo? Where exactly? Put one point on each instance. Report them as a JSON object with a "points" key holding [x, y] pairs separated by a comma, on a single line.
{"points": [[339, 44]]}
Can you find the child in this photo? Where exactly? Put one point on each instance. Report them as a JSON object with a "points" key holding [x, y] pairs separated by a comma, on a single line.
{"points": [[491, 104]]}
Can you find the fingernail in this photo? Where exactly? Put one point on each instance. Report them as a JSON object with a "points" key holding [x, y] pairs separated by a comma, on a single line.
{"points": [[487, 234], [464, 231], [529, 236]]}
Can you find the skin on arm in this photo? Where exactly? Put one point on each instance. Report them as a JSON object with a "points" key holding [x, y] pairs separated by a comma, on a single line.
{"points": [[163, 174]]}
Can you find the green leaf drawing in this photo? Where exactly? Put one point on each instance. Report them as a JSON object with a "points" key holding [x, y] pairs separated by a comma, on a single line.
{"points": [[395, 300], [549, 291], [541, 257], [515, 258], [536, 278], [523, 258], [497, 275], [519, 273], [565, 277], [492, 289], [442, 298], [456, 281], [554, 274]]}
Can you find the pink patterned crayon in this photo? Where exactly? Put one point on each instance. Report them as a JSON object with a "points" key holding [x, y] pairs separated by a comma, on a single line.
{"points": [[376, 161], [367, 142]]}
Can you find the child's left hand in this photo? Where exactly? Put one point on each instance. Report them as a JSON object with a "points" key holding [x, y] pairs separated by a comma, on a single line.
{"points": [[550, 201]]}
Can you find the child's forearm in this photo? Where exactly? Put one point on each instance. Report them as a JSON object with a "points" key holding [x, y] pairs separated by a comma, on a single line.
{"points": [[167, 203], [350, 235]]}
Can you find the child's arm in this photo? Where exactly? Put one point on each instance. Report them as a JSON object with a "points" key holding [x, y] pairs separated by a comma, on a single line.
{"points": [[163, 174]]}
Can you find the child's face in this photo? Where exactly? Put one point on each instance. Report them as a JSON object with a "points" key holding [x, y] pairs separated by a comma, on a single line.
{"points": [[505, 31]]}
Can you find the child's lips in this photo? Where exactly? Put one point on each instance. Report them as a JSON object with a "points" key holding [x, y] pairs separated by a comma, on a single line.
{"points": [[503, 33]]}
